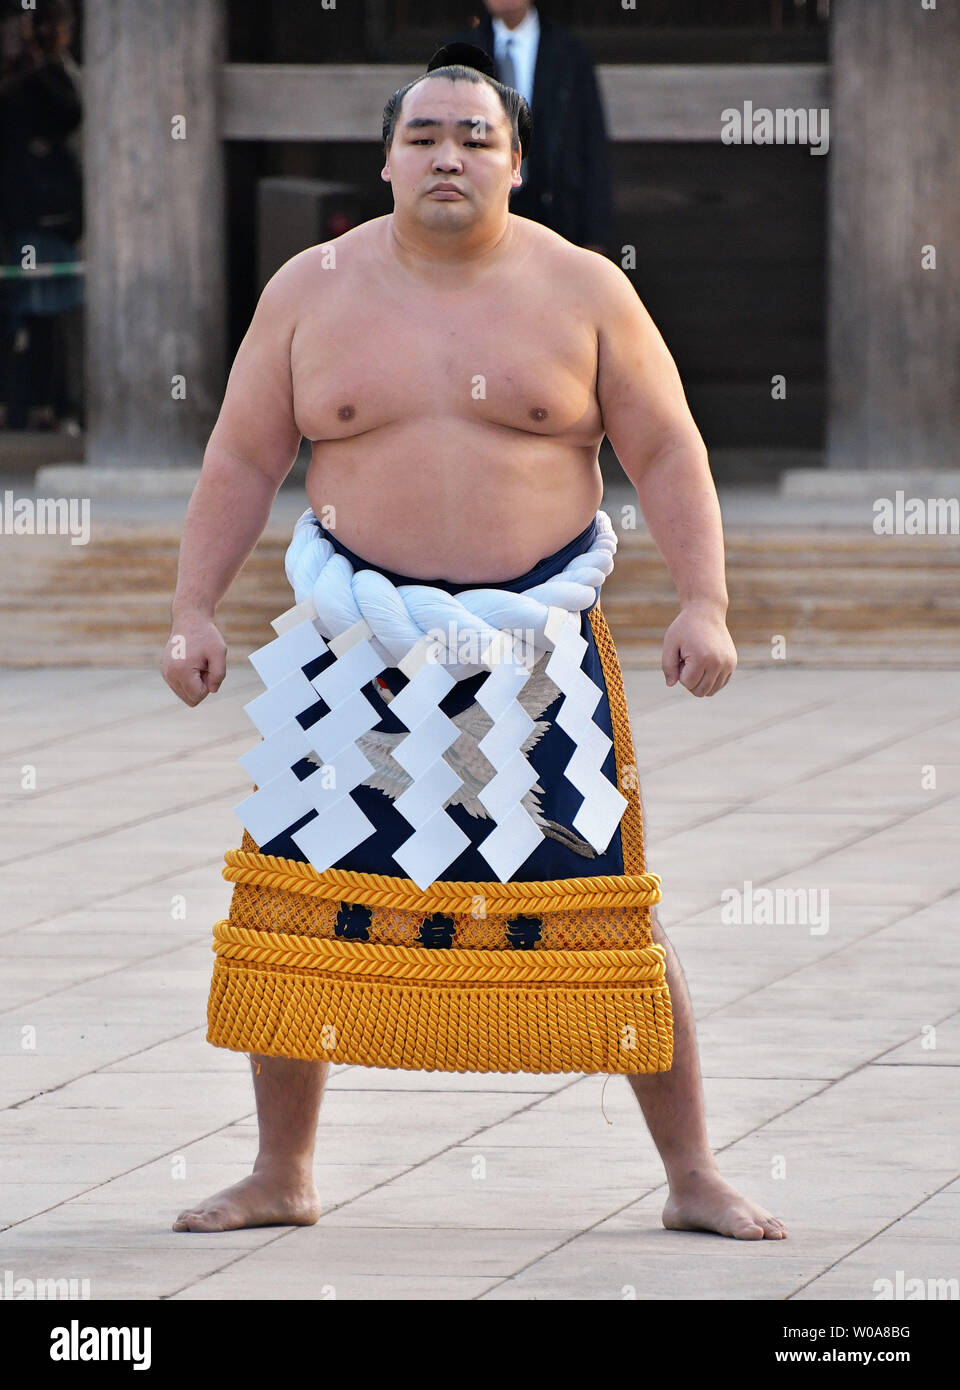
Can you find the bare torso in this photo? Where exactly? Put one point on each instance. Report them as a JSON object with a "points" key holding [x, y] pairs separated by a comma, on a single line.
{"points": [[455, 431]]}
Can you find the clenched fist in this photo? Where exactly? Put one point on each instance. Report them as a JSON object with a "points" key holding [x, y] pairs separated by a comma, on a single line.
{"points": [[195, 657], [698, 650]]}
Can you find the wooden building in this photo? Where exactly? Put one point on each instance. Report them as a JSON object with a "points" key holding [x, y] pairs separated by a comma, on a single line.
{"points": [[837, 272]]}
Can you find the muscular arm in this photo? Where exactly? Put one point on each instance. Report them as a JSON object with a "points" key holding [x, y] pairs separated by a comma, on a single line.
{"points": [[648, 421], [249, 453]]}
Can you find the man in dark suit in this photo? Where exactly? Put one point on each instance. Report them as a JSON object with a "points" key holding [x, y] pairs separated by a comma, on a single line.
{"points": [[567, 174]]}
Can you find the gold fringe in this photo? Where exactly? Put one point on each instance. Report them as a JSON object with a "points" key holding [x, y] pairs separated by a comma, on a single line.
{"points": [[279, 1012]]}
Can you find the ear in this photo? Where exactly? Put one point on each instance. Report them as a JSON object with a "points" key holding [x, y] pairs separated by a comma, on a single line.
{"points": [[515, 162], [385, 171]]}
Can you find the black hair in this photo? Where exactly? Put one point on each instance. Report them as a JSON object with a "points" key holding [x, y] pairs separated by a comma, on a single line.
{"points": [[464, 62]]}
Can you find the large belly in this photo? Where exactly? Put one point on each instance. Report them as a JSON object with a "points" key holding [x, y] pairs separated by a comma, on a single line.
{"points": [[447, 498]]}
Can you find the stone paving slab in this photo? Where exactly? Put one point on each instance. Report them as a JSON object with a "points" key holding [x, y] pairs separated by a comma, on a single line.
{"points": [[920, 1245], [307, 1286], [829, 1060]]}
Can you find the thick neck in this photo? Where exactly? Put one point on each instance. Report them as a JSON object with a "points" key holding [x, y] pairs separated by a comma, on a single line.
{"points": [[453, 255]]}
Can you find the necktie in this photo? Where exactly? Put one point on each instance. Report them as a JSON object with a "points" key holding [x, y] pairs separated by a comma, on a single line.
{"points": [[508, 72]]}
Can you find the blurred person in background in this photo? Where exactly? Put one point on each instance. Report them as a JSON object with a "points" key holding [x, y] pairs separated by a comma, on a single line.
{"points": [[41, 207], [566, 177]]}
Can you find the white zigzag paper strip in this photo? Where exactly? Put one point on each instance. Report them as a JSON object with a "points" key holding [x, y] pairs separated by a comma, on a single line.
{"points": [[437, 839], [340, 825], [516, 834], [281, 798], [603, 806]]}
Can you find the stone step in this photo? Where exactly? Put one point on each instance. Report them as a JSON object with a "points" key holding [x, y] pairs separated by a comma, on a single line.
{"points": [[835, 597]]}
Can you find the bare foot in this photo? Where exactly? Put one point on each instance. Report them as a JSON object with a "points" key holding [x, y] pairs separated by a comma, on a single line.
{"points": [[262, 1199], [706, 1202]]}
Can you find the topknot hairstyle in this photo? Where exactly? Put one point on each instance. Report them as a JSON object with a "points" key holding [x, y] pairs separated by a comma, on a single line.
{"points": [[464, 62]]}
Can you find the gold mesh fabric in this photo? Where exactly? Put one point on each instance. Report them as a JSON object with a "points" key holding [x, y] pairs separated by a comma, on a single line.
{"points": [[583, 929], [557, 976]]}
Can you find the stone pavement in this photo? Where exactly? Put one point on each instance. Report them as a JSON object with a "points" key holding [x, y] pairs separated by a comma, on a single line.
{"points": [[830, 1042]]}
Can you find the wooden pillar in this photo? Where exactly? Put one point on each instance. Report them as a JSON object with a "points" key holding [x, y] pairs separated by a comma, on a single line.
{"points": [[894, 369], [154, 242]]}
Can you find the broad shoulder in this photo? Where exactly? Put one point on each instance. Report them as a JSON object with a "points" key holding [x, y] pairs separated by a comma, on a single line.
{"points": [[302, 273], [352, 245], [594, 278]]}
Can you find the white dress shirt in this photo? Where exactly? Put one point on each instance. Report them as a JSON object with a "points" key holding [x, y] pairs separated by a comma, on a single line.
{"points": [[523, 49]]}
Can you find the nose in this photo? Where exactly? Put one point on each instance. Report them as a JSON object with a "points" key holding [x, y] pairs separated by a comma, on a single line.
{"points": [[446, 157]]}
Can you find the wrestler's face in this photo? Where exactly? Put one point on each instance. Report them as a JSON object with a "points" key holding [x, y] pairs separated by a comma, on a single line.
{"points": [[454, 133]]}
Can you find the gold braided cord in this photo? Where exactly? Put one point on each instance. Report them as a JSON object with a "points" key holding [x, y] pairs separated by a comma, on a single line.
{"points": [[646, 963], [631, 824], [383, 890], [321, 1018]]}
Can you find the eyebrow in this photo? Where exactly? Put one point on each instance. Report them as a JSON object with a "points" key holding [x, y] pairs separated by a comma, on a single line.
{"points": [[419, 122]]}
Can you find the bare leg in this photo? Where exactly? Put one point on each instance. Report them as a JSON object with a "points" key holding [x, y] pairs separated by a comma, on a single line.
{"points": [[672, 1105], [281, 1190]]}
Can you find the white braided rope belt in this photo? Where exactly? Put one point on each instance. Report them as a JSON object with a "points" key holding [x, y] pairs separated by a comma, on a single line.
{"points": [[369, 624]]}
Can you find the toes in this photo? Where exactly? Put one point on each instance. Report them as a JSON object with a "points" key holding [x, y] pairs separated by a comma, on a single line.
{"points": [[214, 1220], [749, 1230], [199, 1221]]}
